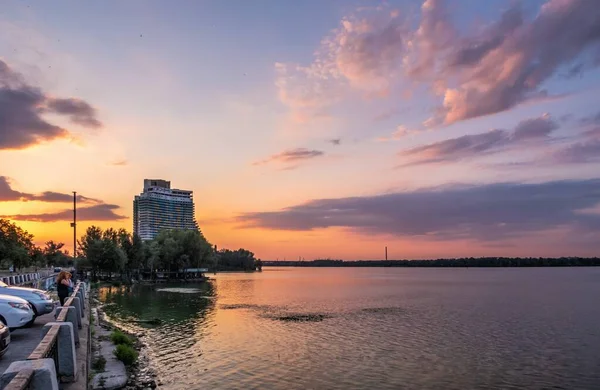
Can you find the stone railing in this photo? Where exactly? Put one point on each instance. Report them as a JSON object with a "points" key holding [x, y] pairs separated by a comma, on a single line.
{"points": [[15, 280], [54, 359]]}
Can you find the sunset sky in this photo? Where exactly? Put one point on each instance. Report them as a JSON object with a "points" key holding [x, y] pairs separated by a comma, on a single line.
{"points": [[310, 128]]}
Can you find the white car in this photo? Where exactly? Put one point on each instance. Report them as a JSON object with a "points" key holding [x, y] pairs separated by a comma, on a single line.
{"points": [[15, 312], [40, 302]]}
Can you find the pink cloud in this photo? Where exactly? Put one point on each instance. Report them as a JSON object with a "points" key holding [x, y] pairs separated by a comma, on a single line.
{"points": [[291, 156], [475, 74], [530, 132], [400, 133]]}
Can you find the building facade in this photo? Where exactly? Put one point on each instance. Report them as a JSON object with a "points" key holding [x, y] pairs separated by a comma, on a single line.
{"points": [[160, 207]]}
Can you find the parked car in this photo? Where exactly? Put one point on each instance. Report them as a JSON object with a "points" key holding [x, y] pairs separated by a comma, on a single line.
{"points": [[40, 302], [4, 338], [15, 312]]}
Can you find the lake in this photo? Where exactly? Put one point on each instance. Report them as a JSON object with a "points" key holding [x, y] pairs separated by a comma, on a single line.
{"points": [[373, 328]]}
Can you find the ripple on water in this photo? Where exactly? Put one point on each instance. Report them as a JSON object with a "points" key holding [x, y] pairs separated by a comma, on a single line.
{"points": [[180, 290], [310, 317], [384, 310], [409, 334]]}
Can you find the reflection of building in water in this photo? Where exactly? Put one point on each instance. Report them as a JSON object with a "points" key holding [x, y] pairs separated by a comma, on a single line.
{"points": [[160, 207]]}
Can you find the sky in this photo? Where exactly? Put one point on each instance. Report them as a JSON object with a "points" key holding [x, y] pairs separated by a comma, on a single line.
{"points": [[313, 129]]}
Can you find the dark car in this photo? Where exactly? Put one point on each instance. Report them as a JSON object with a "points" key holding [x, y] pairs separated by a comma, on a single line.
{"points": [[4, 338]]}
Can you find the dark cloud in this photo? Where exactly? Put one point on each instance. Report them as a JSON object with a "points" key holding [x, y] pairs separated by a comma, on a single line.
{"points": [[20, 122], [471, 50], [534, 128], [590, 120], [487, 212], [119, 163], [566, 118], [470, 146], [579, 153], [335, 141], [50, 196], [8, 194], [100, 212], [6, 191], [79, 111], [291, 156], [593, 133], [21, 112], [455, 149]]}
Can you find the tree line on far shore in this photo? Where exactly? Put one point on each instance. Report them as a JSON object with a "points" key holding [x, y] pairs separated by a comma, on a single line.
{"points": [[117, 251], [461, 262]]}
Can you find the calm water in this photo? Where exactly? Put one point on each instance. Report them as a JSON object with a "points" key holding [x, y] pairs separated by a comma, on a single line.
{"points": [[374, 328]]}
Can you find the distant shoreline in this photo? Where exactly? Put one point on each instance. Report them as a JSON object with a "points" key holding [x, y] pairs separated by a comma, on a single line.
{"points": [[486, 262]]}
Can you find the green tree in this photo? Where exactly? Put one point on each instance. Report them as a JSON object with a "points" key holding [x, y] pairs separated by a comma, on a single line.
{"points": [[16, 245], [55, 255], [175, 250], [240, 259], [102, 251]]}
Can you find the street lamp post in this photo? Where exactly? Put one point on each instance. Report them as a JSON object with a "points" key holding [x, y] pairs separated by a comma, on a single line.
{"points": [[74, 226]]}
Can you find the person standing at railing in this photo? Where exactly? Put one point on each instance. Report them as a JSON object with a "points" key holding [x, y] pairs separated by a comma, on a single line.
{"points": [[62, 286], [71, 284]]}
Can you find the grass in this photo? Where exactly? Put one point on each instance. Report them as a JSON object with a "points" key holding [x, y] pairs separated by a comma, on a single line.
{"points": [[99, 364], [126, 354], [120, 338]]}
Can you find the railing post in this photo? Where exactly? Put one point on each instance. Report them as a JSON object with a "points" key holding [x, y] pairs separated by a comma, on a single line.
{"points": [[72, 318], [81, 301], [67, 360], [44, 374], [77, 304]]}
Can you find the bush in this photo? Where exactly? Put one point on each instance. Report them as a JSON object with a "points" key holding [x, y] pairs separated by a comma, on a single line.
{"points": [[120, 338], [126, 354], [99, 364]]}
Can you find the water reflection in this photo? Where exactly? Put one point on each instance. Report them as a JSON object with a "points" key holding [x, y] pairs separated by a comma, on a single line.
{"points": [[172, 304], [373, 328]]}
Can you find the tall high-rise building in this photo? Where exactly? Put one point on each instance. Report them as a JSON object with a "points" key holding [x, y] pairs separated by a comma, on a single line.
{"points": [[160, 207]]}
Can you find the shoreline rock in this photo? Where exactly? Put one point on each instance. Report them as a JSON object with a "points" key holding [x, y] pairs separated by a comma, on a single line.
{"points": [[140, 375]]}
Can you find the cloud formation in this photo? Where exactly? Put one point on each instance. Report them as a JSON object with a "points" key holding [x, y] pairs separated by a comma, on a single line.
{"points": [[474, 74], [335, 141], [291, 156], [509, 66], [7, 193], [22, 107], [488, 212], [119, 163], [399, 133], [99, 212], [528, 132], [579, 153], [79, 111]]}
